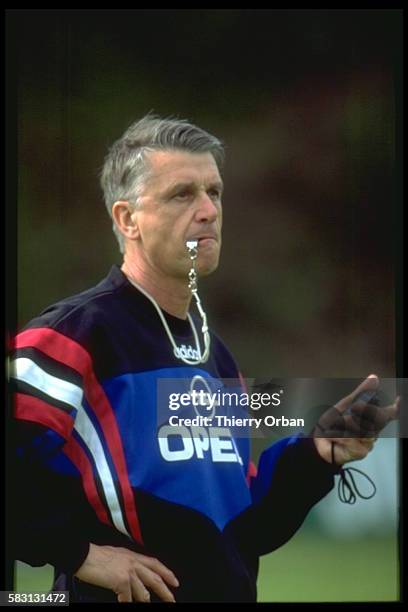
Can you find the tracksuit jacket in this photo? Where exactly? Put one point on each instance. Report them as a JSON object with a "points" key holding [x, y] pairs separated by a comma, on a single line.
{"points": [[95, 462]]}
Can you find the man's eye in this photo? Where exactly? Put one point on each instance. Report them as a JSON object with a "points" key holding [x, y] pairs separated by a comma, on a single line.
{"points": [[182, 195], [215, 193]]}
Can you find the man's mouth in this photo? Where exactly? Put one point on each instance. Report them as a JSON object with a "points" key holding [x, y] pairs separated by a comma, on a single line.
{"points": [[204, 238], [203, 241]]}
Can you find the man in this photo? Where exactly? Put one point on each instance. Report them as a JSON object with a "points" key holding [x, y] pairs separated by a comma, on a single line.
{"points": [[120, 511]]}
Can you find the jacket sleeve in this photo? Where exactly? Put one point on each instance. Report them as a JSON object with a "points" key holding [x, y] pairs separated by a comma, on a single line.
{"points": [[291, 478], [48, 510], [47, 506], [56, 502]]}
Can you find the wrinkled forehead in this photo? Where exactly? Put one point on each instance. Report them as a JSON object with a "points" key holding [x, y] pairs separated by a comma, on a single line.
{"points": [[173, 166]]}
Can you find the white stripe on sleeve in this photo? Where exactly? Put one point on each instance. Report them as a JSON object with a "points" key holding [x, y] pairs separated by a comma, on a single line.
{"points": [[28, 371], [88, 433]]}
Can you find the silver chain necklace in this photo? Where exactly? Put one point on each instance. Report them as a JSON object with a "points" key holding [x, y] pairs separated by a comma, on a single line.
{"points": [[192, 247]]}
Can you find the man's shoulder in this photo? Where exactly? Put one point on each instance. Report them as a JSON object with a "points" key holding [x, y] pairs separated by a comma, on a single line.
{"points": [[92, 331], [79, 312]]}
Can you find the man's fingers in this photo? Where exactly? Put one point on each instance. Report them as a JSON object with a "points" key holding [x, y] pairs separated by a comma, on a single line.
{"points": [[157, 566], [124, 592], [132, 589], [369, 384], [139, 590], [357, 427], [346, 428], [155, 583], [334, 424], [371, 417], [371, 411], [127, 573], [147, 575], [331, 420]]}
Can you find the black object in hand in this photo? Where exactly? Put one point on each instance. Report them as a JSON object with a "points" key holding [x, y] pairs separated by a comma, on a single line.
{"points": [[370, 396]]}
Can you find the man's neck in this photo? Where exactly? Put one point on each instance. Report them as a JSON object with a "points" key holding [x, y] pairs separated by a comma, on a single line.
{"points": [[172, 295]]}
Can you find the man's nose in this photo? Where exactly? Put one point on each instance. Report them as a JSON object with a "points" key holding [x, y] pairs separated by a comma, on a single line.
{"points": [[207, 209]]}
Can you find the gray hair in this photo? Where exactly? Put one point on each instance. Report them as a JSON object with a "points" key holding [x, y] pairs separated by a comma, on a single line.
{"points": [[125, 168]]}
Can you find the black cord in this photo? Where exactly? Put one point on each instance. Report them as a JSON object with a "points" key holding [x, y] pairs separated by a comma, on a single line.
{"points": [[347, 488]]}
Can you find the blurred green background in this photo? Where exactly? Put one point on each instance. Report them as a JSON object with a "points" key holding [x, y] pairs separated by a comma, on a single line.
{"points": [[305, 101]]}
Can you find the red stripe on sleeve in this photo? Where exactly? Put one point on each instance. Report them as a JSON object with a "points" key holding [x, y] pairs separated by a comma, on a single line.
{"points": [[57, 346], [252, 472], [67, 351], [77, 455], [30, 408]]}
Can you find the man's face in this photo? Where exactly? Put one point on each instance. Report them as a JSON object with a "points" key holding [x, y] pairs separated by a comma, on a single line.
{"points": [[180, 200]]}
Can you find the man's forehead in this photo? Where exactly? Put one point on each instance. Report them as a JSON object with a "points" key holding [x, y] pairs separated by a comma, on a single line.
{"points": [[171, 165]]}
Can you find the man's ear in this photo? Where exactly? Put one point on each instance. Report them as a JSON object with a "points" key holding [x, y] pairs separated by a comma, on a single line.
{"points": [[123, 214]]}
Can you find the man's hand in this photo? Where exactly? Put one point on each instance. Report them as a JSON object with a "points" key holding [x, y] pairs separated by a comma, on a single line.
{"points": [[127, 573], [364, 419]]}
